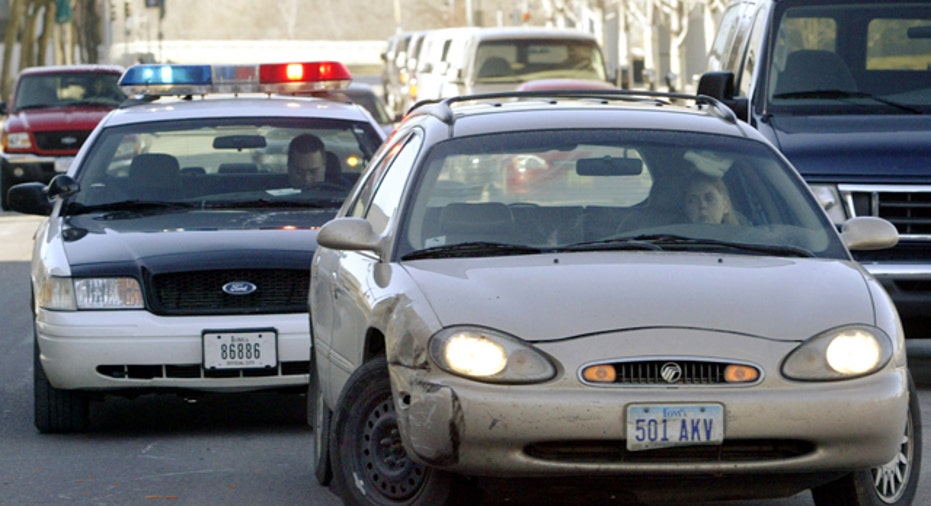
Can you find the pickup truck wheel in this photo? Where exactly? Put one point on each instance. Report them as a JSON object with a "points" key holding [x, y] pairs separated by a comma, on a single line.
{"points": [[57, 410], [370, 464], [891, 484]]}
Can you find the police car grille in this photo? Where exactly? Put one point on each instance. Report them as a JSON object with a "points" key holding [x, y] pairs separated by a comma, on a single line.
{"points": [[201, 293], [909, 209], [69, 140]]}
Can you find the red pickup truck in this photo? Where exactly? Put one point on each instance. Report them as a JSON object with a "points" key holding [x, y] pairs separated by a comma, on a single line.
{"points": [[52, 111]]}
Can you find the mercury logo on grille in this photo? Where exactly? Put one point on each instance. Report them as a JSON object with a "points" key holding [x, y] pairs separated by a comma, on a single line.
{"points": [[239, 288], [671, 372]]}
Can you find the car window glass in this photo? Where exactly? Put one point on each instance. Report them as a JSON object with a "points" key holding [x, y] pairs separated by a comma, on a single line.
{"points": [[387, 196], [360, 202], [222, 161], [527, 59], [723, 41], [548, 189], [899, 44], [745, 78]]}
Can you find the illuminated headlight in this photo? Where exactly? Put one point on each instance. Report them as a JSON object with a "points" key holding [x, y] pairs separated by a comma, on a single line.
{"points": [[18, 140], [486, 355], [830, 201], [841, 353], [66, 294]]}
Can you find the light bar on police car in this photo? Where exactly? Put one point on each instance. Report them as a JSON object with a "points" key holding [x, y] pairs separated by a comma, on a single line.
{"points": [[279, 78]]}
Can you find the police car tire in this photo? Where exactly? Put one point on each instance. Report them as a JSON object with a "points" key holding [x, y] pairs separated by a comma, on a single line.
{"points": [[859, 489], [56, 410], [366, 409]]}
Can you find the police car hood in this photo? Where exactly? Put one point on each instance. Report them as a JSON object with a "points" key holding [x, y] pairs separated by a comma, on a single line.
{"points": [[189, 241], [859, 148], [550, 297]]}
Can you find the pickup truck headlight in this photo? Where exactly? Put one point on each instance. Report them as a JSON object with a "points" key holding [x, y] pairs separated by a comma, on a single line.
{"points": [[67, 294], [841, 353], [830, 201], [17, 140], [487, 355]]}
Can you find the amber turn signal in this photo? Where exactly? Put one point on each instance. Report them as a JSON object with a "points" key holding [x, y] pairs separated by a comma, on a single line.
{"points": [[599, 373], [735, 373]]}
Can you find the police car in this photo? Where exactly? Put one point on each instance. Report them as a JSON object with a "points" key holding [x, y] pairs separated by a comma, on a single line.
{"points": [[176, 251]]}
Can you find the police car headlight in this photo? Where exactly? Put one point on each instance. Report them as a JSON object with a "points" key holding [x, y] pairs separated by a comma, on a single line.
{"points": [[841, 353], [487, 355], [830, 201], [66, 294], [18, 140]]}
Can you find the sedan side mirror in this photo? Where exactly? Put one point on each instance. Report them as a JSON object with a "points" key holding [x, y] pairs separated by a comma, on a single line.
{"points": [[865, 233], [353, 234]]}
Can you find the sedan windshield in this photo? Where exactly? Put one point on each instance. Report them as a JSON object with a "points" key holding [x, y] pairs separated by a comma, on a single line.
{"points": [[601, 190], [223, 163]]}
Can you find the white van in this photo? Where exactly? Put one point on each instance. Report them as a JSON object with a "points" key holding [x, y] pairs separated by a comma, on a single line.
{"points": [[465, 61]]}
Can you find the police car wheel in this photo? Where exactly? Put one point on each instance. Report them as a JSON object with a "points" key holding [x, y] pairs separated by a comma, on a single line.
{"points": [[56, 410]]}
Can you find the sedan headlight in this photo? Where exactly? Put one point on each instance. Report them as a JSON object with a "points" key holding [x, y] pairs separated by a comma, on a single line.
{"points": [[487, 355], [841, 353], [67, 294]]}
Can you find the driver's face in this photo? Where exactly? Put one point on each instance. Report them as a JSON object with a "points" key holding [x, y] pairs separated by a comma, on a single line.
{"points": [[306, 168]]}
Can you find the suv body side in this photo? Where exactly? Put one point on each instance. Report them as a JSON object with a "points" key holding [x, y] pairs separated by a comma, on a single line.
{"points": [[41, 134], [864, 143]]}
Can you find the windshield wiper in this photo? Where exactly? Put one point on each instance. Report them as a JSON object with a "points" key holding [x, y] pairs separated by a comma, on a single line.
{"points": [[472, 249], [272, 203], [668, 241], [136, 206], [840, 94]]}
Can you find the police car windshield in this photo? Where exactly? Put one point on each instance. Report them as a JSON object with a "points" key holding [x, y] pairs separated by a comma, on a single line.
{"points": [[224, 163]]}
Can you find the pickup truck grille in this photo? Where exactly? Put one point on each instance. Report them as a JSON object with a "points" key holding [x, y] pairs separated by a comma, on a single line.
{"points": [[907, 207], [201, 293], [66, 140]]}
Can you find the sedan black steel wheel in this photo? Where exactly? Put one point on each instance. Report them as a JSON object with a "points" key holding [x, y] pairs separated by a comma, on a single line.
{"points": [[893, 483], [369, 462]]}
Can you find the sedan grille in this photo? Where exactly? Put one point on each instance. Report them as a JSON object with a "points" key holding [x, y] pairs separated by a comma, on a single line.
{"points": [[202, 293], [613, 452], [663, 372]]}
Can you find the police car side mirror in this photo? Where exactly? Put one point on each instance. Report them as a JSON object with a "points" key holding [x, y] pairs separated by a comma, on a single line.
{"points": [[29, 198]]}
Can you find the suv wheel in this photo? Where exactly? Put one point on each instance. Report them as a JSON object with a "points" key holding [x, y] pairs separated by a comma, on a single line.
{"points": [[370, 465], [893, 483], [56, 410]]}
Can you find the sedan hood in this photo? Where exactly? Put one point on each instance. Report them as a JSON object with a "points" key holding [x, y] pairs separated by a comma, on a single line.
{"points": [[188, 241], [550, 297], [862, 149]]}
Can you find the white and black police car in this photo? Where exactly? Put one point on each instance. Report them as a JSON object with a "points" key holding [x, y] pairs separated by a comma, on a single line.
{"points": [[176, 252]]}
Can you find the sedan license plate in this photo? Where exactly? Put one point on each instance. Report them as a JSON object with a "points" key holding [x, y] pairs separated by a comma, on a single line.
{"points": [[236, 349], [62, 164], [651, 426]]}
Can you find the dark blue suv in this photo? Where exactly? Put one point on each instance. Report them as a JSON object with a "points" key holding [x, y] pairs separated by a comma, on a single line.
{"points": [[843, 89]]}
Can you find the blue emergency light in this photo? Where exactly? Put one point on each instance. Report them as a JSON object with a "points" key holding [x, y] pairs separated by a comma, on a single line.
{"points": [[278, 78]]}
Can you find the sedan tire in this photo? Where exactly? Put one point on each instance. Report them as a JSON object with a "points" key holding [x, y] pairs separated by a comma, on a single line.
{"points": [[892, 484], [319, 416], [370, 465]]}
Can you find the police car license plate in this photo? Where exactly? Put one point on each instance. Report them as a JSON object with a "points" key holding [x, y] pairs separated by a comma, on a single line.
{"points": [[255, 349], [62, 164], [651, 426]]}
